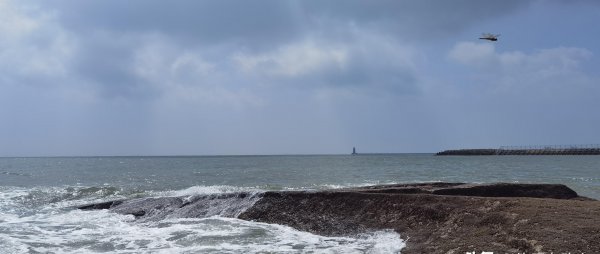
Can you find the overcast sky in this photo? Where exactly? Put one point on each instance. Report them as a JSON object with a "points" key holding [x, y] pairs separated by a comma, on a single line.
{"points": [[146, 77]]}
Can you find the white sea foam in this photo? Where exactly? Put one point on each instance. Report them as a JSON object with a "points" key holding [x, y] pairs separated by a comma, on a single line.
{"points": [[52, 228], [207, 190], [101, 231], [17, 200]]}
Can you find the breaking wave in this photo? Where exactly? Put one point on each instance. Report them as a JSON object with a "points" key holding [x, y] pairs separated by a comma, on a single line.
{"points": [[44, 220]]}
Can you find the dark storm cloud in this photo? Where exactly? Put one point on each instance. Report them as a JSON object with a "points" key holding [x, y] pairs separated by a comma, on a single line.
{"points": [[275, 21], [108, 36], [110, 32], [190, 21], [107, 65], [409, 20]]}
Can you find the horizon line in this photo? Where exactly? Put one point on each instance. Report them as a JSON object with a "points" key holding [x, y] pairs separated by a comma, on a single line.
{"points": [[210, 155]]}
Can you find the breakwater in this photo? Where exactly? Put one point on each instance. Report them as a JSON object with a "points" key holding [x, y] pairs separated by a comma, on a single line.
{"points": [[528, 150]]}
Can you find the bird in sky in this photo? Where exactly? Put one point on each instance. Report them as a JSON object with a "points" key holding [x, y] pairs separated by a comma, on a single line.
{"points": [[489, 37]]}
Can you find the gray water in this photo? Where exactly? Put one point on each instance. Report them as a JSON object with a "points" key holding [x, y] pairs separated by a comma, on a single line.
{"points": [[37, 196]]}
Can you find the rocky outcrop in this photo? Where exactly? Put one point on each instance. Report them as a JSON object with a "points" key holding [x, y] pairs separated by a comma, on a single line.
{"points": [[556, 191], [103, 205], [196, 206], [432, 217]]}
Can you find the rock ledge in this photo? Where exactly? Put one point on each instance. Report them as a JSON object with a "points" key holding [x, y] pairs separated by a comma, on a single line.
{"points": [[431, 217]]}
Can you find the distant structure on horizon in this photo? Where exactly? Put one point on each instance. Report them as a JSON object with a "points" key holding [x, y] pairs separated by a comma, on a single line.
{"points": [[591, 149], [354, 151]]}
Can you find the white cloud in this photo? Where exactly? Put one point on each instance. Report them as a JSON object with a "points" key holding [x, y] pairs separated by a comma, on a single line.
{"points": [[187, 76], [295, 60], [554, 67], [365, 59], [32, 44], [473, 53], [14, 25], [485, 55], [160, 63]]}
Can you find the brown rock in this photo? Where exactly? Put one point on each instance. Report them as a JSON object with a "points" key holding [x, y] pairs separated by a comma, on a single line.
{"points": [[431, 217], [443, 223]]}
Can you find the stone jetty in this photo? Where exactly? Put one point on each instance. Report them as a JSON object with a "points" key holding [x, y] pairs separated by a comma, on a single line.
{"points": [[528, 150]]}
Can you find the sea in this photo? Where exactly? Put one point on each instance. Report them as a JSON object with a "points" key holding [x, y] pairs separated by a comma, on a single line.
{"points": [[39, 197]]}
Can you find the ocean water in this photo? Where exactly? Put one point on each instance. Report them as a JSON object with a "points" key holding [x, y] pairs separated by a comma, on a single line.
{"points": [[38, 197]]}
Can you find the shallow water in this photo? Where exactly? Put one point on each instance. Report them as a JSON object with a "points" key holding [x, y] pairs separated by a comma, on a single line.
{"points": [[38, 196]]}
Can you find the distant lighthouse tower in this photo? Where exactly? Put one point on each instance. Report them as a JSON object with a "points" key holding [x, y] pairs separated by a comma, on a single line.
{"points": [[354, 151]]}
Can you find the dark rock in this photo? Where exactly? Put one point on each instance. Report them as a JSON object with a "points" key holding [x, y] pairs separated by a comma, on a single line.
{"points": [[99, 206], [557, 191], [196, 206], [149, 208], [440, 223], [139, 213], [431, 217]]}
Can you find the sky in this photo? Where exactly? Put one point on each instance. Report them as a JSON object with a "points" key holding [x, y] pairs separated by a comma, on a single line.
{"points": [[149, 77]]}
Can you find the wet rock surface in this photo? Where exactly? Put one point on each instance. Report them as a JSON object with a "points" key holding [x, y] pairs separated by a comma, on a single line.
{"points": [[194, 206], [556, 191], [431, 217]]}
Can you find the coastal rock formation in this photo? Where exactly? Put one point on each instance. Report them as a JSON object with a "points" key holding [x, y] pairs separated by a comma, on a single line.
{"points": [[432, 217], [557, 191]]}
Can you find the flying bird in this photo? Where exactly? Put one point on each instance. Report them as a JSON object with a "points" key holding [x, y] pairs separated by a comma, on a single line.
{"points": [[489, 37]]}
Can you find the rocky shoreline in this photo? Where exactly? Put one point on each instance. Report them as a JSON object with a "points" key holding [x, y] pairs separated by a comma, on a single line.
{"points": [[431, 217]]}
